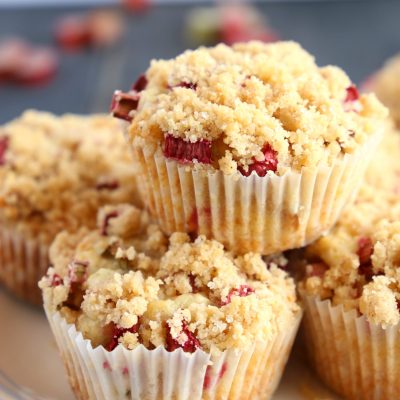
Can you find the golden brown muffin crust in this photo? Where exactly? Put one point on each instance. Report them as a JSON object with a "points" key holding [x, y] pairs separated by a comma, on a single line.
{"points": [[251, 95], [174, 292], [57, 171]]}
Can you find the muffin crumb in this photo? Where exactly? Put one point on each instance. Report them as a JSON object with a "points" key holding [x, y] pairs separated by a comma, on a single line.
{"points": [[55, 172], [180, 293], [252, 107]]}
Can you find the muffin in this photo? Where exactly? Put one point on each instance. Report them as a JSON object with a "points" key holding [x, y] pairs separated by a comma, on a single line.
{"points": [[55, 172], [137, 314], [253, 145], [386, 84], [351, 290]]}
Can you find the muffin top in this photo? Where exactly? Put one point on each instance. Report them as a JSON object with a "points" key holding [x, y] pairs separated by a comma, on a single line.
{"points": [[386, 84], [56, 171], [250, 107], [357, 264], [128, 283]]}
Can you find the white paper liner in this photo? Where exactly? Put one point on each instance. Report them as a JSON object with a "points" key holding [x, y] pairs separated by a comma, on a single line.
{"points": [[357, 359], [23, 262], [142, 374], [261, 214]]}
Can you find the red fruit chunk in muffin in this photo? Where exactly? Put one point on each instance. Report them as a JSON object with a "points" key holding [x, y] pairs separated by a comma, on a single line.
{"points": [[242, 291], [189, 346], [118, 332], [364, 252], [365, 249], [77, 274], [192, 281], [367, 271], [316, 269], [3, 149], [113, 214], [187, 85], [123, 103], [140, 83], [270, 163], [77, 271], [184, 151], [107, 185], [56, 280], [351, 94], [351, 102]]}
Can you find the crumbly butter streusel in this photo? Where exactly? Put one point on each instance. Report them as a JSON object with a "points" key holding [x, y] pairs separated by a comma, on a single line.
{"points": [[245, 97], [127, 280], [55, 172], [357, 264]]}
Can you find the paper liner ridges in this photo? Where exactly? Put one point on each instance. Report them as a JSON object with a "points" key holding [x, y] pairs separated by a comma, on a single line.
{"points": [[23, 262], [264, 215], [141, 374], [357, 359]]}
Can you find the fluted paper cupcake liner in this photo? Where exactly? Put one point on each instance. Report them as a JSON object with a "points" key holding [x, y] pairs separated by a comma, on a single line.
{"points": [[141, 374], [261, 214], [357, 359], [23, 261]]}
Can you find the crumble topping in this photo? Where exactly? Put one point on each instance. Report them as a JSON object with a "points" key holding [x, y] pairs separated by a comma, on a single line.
{"points": [[252, 106], [55, 172], [358, 263], [137, 286]]}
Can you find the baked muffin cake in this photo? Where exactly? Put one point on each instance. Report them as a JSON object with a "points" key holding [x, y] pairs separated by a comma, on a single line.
{"points": [[386, 84], [352, 289], [137, 314], [55, 172], [245, 144]]}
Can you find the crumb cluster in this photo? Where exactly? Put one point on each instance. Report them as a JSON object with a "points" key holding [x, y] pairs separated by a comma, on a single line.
{"points": [[55, 172], [357, 264], [128, 283], [244, 99]]}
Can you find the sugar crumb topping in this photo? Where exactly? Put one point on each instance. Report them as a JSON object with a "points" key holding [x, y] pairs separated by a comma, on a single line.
{"points": [[242, 99], [138, 286], [357, 264], [55, 172]]}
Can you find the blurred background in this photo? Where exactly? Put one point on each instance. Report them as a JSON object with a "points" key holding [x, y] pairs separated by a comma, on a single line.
{"points": [[69, 56]]}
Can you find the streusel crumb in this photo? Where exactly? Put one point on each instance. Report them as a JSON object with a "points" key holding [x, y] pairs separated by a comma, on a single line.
{"points": [[357, 264], [55, 172], [133, 285], [253, 106]]}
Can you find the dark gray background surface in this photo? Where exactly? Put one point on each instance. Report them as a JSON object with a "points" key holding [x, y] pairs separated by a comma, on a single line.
{"points": [[356, 35]]}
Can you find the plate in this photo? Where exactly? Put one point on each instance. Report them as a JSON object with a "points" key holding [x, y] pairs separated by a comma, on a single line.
{"points": [[31, 369]]}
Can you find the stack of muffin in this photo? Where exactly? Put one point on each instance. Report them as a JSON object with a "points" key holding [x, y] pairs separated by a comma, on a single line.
{"points": [[240, 153]]}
